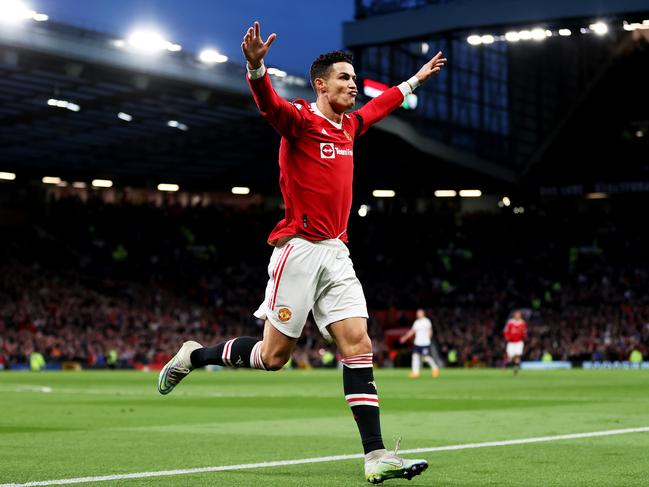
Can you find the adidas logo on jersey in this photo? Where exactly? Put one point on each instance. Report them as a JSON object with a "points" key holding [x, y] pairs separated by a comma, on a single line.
{"points": [[324, 132]]}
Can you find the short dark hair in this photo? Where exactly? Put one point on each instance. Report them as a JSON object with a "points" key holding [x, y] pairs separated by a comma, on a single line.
{"points": [[321, 66]]}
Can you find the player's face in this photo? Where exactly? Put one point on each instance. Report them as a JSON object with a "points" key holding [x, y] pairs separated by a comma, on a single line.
{"points": [[340, 86]]}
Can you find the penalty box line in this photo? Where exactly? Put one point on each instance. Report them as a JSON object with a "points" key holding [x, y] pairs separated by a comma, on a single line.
{"points": [[301, 461]]}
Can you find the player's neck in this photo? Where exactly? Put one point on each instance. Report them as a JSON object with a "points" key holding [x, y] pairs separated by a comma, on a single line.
{"points": [[328, 111]]}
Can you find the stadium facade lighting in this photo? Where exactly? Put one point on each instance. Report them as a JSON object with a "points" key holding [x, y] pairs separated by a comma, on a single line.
{"points": [[548, 33], [168, 187], [15, 11], [599, 28], [102, 183], [240, 190], [73, 107], [506, 201], [177, 125], [538, 34], [7, 176], [425, 48], [125, 116], [51, 180], [277, 72], [525, 35], [565, 32], [211, 56], [635, 25], [79, 185], [487, 39], [150, 42], [384, 193], [363, 211], [445, 193], [474, 40], [62, 184], [470, 193], [512, 36], [639, 134], [597, 195]]}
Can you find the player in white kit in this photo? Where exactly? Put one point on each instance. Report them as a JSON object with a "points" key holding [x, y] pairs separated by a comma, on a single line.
{"points": [[422, 330]]}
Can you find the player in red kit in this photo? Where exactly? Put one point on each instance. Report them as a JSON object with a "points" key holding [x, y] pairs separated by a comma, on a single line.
{"points": [[515, 333], [310, 268]]}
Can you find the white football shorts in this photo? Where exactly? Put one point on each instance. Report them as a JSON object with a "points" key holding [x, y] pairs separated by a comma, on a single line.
{"points": [[514, 349], [311, 276]]}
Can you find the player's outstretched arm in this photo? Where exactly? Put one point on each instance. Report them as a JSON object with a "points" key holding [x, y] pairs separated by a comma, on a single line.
{"points": [[253, 46]]}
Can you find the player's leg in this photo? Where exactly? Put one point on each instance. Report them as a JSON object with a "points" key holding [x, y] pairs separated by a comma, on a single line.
{"points": [[428, 358], [361, 394], [415, 364]]}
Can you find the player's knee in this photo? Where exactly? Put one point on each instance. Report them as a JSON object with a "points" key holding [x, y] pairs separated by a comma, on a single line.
{"points": [[360, 345], [274, 361]]}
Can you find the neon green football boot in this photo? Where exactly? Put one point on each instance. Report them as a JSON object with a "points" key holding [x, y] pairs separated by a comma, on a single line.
{"points": [[177, 368], [391, 466]]}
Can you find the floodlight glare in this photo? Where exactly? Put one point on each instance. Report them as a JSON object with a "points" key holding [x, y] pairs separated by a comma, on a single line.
{"points": [[168, 187], [474, 40], [538, 34], [525, 35], [79, 185], [277, 72], [102, 183], [383, 193], [487, 39], [506, 201], [445, 193], [14, 12], [599, 28], [177, 125], [512, 36], [7, 176], [211, 56], [51, 180], [363, 211], [151, 42], [565, 32], [125, 116], [240, 190], [470, 193]]}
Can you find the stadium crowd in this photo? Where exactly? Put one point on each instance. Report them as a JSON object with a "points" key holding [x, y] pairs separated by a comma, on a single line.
{"points": [[122, 284]]}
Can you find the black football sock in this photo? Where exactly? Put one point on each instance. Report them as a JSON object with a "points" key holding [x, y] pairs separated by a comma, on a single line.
{"points": [[362, 397], [238, 352]]}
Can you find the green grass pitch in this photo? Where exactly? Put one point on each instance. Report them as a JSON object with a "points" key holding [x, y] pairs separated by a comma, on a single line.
{"points": [[58, 425]]}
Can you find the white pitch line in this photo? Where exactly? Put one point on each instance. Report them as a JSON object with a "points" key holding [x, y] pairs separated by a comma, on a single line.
{"points": [[301, 461]]}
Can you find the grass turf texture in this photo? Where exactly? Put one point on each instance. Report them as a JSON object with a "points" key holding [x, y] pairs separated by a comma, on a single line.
{"points": [[104, 423]]}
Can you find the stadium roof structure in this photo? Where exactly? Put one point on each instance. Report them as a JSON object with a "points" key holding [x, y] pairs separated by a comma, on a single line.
{"points": [[74, 105]]}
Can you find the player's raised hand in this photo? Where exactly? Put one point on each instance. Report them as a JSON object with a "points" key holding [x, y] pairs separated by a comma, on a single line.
{"points": [[254, 47], [431, 68]]}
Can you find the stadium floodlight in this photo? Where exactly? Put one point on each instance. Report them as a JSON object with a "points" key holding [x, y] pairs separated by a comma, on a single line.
{"points": [[474, 40], [53, 102], [512, 36], [102, 183], [506, 201], [177, 125], [363, 211], [470, 193], [548, 33], [525, 35], [240, 190], [168, 187], [79, 185], [445, 193], [62, 184], [277, 72], [40, 17], [597, 195], [425, 48], [383, 193], [14, 12], [151, 42], [487, 39], [538, 34], [565, 32], [51, 180], [639, 134], [599, 28], [125, 116], [7, 176], [211, 56]]}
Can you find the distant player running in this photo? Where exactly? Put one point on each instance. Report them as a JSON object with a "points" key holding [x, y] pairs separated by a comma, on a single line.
{"points": [[515, 332], [310, 268], [422, 330]]}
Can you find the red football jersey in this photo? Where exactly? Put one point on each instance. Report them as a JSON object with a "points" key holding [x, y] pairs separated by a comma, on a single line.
{"points": [[316, 160], [515, 330]]}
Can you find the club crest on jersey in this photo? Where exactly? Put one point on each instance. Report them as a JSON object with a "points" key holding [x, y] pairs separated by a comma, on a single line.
{"points": [[284, 314], [327, 150]]}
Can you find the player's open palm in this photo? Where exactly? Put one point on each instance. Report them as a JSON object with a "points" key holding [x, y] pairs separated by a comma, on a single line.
{"points": [[431, 68], [254, 47]]}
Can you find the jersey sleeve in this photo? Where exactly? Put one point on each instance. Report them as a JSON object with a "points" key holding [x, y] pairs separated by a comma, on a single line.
{"points": [[285, 117], [377, 109]]}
